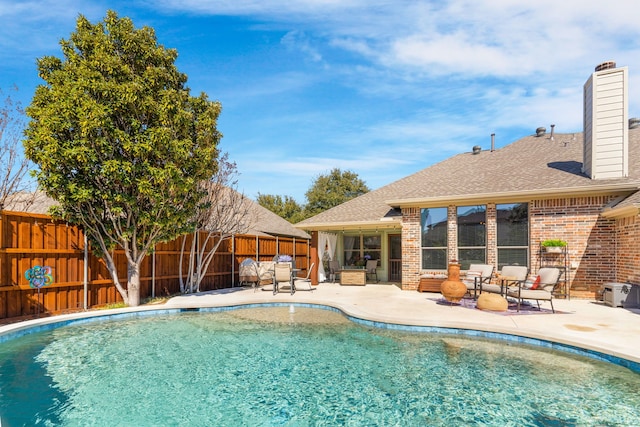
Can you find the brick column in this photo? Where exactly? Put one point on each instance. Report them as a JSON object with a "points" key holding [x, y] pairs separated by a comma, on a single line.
{"points": [[411, 252], [452, 233], [492, 234]]}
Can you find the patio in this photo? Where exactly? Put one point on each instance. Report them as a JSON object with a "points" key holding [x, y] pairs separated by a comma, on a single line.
{"points": [[583, 323]]}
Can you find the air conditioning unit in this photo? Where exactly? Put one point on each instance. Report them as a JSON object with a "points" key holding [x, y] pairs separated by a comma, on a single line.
{"points": [[621, 295]]}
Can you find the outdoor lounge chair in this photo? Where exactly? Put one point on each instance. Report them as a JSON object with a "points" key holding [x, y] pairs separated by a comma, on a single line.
{"points": [[282, 277], [372, 265], [544, 284], [476, 276], [304, 282], [516, 274]]}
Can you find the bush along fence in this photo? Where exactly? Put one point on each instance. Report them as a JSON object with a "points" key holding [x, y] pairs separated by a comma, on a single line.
{"points": [[44, 267]]}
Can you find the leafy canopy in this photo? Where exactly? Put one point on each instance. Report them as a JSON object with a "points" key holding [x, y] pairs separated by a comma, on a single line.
{"points": [[327, 191], [286, 207], [333, 189], [119, 141]]}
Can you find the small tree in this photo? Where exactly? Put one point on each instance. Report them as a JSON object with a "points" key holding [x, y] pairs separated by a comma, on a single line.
{"points": [[286, 207], [14, 184], [120, 143], [223, 213], [333, 189]]}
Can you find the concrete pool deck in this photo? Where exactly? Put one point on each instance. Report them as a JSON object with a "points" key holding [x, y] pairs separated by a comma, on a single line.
{"points": [[586, 324]]}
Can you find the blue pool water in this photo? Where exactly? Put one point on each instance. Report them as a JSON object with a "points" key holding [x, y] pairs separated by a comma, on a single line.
{"points": [[271, 367]]}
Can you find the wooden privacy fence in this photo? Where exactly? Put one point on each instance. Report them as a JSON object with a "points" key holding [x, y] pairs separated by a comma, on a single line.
{"points": [[77, 279]]}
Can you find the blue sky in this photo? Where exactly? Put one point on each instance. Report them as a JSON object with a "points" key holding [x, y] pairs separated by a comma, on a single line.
{"points": [[383, 88]]}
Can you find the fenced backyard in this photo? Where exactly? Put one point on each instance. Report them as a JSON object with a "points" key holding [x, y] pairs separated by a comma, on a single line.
{"points": [[77, 279]]}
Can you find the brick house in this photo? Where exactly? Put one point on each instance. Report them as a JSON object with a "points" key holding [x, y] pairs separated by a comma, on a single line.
{"points": [[496, 206]]}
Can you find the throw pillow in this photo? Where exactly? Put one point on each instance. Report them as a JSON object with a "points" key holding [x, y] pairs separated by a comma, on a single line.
{"points": [[470, 276], [536, 283]]}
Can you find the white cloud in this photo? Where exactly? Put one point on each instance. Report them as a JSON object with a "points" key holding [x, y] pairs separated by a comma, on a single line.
{"points": [[298, 41]]}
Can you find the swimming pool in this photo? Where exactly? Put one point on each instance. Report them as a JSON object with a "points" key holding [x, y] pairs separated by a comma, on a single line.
{"points": [[268, 366]]}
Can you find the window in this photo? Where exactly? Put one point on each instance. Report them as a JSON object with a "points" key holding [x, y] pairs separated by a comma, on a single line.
{"points": [[433, 222], [358, 248], [472, 235], [513, 234]]}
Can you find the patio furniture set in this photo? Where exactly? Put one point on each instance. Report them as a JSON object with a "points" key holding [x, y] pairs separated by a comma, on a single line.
{"points": [[279, 274], [514, 282]]}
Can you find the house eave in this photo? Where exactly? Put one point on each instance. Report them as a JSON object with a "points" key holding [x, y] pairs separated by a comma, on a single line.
{"points": [[624, 212], [382, 224], [512, 196]]}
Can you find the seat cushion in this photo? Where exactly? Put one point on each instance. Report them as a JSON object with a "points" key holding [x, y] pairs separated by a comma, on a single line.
{"points": [[540, 294], [519, 272], [470, 278], [490, 287], [549, 275]]}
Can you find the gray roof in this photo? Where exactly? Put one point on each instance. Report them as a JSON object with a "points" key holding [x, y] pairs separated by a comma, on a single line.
{"points": [[36, 202], [530, 167], [266, 222], [272, 224]]}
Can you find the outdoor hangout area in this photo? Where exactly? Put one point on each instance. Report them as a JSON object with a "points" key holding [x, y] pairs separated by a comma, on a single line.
{"points": [[478, 265]]}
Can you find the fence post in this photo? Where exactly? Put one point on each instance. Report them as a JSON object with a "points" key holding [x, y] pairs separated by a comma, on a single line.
{"points": [[86, 271], [153, 272], [233, 261]]}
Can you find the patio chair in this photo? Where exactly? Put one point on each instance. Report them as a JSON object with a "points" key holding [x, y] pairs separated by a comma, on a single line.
{"points": [[516, 274], [542, 288], [334, 270], [248, 273], [372, 266], [265, 275], [476, 276], [304, 282], [282, 276]]}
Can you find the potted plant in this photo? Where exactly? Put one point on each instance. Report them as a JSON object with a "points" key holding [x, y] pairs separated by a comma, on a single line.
{"points": [[554, 245]]}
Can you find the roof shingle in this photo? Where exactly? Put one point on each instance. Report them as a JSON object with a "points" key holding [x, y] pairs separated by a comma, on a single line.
{"points": [[532, 165]]}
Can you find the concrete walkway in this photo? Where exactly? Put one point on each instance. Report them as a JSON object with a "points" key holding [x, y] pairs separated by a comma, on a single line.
{"points": [[586, 324]]}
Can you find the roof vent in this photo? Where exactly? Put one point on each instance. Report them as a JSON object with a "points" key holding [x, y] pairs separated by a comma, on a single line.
{"points": [[476, 149], [606, 65], [634, 123], [541, 131]]}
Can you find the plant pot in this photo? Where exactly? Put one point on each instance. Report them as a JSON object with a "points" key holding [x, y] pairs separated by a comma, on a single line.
{"points": [[554, 249], [453, 289]]}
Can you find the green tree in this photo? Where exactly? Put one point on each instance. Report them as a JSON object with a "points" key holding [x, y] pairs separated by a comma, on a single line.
{"points": [[286, 206], [333, 189], [120, 143]]}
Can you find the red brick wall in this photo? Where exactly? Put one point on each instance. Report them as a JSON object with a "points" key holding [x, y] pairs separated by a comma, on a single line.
{"points": [[600, 250], [590, 237], [628, 250]]}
